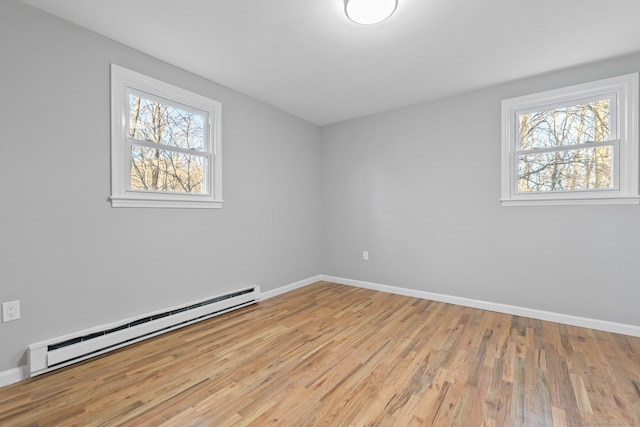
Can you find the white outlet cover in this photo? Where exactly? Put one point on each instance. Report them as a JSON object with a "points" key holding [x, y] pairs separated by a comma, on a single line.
{"points": [[10, 311]]}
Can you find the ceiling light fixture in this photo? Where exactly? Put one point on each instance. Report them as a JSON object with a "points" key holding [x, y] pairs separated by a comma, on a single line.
{"points": [[369, 11]]}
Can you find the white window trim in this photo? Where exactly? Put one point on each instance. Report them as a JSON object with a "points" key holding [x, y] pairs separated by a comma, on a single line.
{"points": [[626, 155], [123, 80]]}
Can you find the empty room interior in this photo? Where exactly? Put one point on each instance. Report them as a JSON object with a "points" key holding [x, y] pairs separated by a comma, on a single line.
{"points": [[234, 213]]}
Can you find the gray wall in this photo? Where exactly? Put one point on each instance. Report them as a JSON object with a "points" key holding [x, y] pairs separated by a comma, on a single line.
{"points": [[72, 260], [419, 189]]}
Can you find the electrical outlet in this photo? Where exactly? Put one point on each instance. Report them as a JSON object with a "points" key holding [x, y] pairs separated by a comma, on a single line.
{"points": [[365, 255], [10, 311]]}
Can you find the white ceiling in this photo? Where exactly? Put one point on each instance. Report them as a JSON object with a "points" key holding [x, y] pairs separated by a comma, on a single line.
{"points": [[305, 57]]}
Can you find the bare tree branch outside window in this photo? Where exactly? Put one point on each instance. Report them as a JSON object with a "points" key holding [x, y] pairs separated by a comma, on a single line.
{"points": [[175, 165], [557, 151]]}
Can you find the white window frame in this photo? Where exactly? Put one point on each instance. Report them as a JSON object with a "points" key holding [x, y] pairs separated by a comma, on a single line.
{"points": [[124, 81], [624, 134]]}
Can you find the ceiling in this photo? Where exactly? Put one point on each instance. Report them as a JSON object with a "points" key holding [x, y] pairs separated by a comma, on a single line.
{"points": [[305, 57]]}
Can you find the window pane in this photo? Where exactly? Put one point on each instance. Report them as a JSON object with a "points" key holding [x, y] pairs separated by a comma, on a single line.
{"points": [[576, 124], [157, 122], [575, 169], [163, 170]]}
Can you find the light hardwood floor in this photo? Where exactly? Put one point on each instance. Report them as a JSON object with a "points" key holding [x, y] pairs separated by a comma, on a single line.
{"points": [[334, 355]]}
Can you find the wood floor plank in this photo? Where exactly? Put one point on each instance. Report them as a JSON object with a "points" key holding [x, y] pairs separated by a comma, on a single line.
{"points": [[334, 355]]}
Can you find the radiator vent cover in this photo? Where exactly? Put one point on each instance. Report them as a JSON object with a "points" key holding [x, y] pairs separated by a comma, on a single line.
{"points": [[56, 353]]}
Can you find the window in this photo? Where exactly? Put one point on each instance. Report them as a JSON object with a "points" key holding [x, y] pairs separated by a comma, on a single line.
{"points": [[576, 145], [165, 144]]}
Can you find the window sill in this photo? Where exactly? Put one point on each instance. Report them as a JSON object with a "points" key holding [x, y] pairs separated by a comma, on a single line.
{"points": [[634, 200], [130, 202]]}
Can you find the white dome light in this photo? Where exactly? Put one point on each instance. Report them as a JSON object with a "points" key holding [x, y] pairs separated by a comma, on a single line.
{"points": [[369, 11]]}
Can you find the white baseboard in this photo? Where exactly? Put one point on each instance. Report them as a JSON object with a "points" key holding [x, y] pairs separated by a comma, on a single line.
{"points": [[585, 322], [11, 376], [291, 287]]}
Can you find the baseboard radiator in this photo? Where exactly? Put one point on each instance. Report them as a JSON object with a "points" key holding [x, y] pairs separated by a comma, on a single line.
{"points": [[52, 354]]}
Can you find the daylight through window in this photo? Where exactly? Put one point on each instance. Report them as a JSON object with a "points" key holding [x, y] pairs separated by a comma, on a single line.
{"points": [[166, 144], [572, 145]]}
